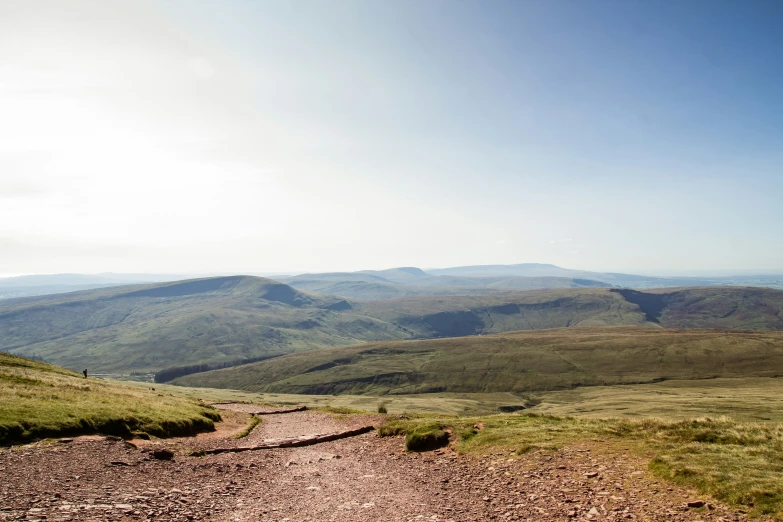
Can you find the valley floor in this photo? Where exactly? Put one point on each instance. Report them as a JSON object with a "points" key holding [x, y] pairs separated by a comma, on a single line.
{"points": [[364, 478]]}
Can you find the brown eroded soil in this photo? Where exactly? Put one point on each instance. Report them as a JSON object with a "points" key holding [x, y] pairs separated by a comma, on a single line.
{"points": [[362, 478]]}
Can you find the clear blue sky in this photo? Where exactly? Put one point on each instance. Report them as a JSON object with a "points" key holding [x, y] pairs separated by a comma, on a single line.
{"points": [[255, 136]]}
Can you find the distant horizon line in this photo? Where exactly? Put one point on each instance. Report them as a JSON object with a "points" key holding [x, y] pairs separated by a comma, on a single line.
{"points": [[721, 272]]}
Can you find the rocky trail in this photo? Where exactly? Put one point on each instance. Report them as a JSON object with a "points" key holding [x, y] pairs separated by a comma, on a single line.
{"points": [[361, 478]]}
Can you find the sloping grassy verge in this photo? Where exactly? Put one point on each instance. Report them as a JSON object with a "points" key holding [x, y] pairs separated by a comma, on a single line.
{"points": [[39, 400], [739, 463]]}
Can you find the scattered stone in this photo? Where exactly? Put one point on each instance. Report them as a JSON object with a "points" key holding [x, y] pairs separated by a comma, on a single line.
{"points": [[78, 482]]}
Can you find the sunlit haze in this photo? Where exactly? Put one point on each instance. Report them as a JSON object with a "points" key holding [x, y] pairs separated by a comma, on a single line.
{"points": [[272, 136]]}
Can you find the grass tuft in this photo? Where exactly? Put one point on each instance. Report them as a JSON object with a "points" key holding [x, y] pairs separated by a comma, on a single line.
{"points": [[254, 421], [426, 437]]}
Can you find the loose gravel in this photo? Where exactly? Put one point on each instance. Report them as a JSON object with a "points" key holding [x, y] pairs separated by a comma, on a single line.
{"points": [[364, 478]]}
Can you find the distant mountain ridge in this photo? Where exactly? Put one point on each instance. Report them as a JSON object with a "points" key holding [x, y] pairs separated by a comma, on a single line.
{"points": [[47, 284], [371, 285], [226, 320]]}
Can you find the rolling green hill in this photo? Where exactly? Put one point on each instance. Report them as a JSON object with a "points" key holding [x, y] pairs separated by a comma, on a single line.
{"points": [[40, 400], [722, 307], [512, 362], [228, 320], [150, 327]]}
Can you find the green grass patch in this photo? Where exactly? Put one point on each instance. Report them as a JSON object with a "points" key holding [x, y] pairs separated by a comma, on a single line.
{"points": [[421, 433], [426, 437], [40, 400]]}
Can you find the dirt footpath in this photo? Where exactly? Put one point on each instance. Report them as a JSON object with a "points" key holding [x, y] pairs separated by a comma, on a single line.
{"points": [[363, 478]]}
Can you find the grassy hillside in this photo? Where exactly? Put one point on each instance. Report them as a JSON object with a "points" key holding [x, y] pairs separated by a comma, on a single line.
{"points": [[513, 362], [427, 317], [150, 327], [40, 400], [725, 307], [224, 320]]}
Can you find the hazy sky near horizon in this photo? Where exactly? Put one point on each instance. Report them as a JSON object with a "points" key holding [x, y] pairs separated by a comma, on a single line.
{"points": [[284, 136]]}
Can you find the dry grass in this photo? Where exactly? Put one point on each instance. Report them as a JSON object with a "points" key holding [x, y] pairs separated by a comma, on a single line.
{"points": [[445, 403], [747, 399], [517, 362]]}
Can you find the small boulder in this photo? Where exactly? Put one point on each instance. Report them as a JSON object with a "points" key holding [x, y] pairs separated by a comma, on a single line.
{"points": [[696, 503]]}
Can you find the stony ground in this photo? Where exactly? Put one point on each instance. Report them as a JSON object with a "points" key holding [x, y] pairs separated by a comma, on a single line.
{"points": [[363, 478]]}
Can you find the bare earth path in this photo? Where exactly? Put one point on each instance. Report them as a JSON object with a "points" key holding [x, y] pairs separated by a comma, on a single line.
{"points": [[363, 478]]}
